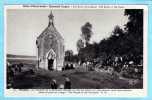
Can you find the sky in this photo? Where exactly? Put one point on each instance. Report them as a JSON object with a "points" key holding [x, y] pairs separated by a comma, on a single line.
{"points": [[23, 26]]}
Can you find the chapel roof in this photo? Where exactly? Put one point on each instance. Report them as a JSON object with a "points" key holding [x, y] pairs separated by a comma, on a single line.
{"points": [[51, 29]]}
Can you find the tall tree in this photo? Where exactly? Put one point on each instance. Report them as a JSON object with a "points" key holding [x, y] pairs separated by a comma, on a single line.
{"points": [[117, 31], [80, 44], [135, 23], [134, 29], [86, 30]]}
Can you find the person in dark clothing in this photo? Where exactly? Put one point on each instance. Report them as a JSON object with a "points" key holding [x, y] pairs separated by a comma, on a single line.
{"points": [[54, 84], [10, 80], [16, 68], [20, 67], [67, 67], [11, 73], [71, 66], [67, 84]]}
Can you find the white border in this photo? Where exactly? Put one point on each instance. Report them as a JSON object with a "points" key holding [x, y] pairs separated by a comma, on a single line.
{"points": [[105, 92]]}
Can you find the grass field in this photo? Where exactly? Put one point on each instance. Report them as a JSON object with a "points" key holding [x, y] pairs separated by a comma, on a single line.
{"points": [[80, 79]]}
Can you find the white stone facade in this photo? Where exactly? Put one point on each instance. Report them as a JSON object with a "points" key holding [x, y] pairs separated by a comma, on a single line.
{"points": [[50, 45]]}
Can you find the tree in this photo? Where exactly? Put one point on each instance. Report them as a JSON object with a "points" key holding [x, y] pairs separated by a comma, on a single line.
{"points": [[80, 44], [134, 29], [122, 42], [86, 30], [86, 51], [128, 41], [135, 24], [117, 31], [68, 55]]}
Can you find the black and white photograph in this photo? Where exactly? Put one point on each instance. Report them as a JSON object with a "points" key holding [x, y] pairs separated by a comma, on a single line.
{"points": [[74, 48]]}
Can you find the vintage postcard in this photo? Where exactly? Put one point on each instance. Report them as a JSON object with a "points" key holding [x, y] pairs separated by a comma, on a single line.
{"points": [[75, 50]]}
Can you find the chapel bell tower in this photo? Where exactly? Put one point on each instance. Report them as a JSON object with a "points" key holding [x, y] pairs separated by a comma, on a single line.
{"points": [[51, 19]]}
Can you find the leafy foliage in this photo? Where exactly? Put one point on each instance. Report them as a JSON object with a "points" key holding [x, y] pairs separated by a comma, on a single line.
{"points": [[70, 57], [86, 32], [122, 42]]}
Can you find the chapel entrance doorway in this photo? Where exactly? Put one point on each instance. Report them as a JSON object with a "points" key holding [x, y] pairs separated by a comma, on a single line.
{"points": [[51, 56], [50, 64]]}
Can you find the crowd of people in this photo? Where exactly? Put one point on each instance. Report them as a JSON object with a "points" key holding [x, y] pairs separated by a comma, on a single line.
{"points": [[128, 66], [68, 66], [14, 70]]}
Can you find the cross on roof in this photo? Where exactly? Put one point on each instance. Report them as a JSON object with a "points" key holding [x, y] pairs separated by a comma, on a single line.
{"points": [[51, 19], [51, 16]]}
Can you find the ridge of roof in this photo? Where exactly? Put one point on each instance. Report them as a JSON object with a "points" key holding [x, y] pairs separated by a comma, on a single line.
{"points": [[49, 30]]}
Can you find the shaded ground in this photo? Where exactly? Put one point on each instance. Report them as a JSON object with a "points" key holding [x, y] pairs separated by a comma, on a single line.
{"points": [[80, 79]]}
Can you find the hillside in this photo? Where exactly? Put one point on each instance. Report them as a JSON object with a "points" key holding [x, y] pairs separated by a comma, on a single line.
{"points": [[20, 56]]}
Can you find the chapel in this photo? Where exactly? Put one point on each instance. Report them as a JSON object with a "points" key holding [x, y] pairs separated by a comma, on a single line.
{"points": [[50, 47]]}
